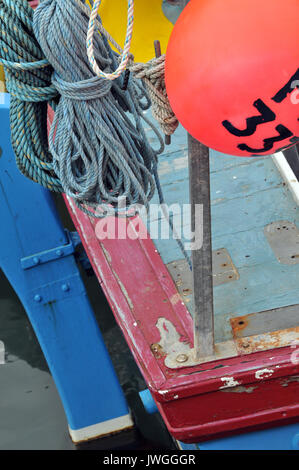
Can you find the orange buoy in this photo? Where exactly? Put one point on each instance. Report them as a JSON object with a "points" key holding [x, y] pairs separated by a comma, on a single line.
{"points": [[232, 74]]}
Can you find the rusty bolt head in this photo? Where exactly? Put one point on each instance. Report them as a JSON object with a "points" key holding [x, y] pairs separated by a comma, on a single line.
{"points": [[156, 348], [246, 344], [182, 358]]}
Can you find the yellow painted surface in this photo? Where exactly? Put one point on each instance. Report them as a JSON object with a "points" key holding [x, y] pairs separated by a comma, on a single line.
{"points": [[149, 24], [2, 80]]}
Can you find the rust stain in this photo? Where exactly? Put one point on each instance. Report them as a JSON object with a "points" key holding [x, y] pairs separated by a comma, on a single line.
{"points": [[271, 340], [239, 324], [157, 350]]}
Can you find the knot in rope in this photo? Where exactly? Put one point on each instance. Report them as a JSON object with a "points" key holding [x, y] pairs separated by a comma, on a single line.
{"points": [[153, 74], [28, 79]]}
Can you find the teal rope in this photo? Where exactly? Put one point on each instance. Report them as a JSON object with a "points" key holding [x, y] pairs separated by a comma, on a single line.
{"points": [[28, 80], [97, 140], [100, 150]]}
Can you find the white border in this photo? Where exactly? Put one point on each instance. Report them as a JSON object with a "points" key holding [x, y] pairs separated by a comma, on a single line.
{"points": [[287, 174], [101, 429]]}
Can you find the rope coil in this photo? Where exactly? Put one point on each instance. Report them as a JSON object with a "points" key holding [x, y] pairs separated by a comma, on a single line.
{"points": [[28, 79], [151, 72], [99, 147]]}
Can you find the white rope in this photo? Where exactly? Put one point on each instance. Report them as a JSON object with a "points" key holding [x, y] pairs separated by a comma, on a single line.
{"points": [[126, 51]]}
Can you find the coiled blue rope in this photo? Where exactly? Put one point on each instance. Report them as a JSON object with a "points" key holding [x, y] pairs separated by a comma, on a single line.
{"points": [[28, 79]]}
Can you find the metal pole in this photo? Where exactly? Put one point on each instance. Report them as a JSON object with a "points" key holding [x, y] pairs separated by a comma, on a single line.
{"points": [[202, 276]]}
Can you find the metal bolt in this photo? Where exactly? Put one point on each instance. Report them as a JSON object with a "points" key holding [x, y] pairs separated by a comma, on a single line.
{"points": [[65, 287], [182, 358], [246, 345], [37, 298], [59, 253], [36, 260]]}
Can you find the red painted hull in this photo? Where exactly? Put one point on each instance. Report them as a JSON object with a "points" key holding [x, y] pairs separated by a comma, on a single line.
{"points": [[200, 402]]}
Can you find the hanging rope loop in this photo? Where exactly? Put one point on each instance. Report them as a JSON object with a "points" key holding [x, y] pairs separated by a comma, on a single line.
{"points": [[90, 42], [151, 72]]}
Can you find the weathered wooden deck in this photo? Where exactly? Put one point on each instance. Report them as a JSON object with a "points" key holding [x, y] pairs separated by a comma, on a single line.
{"points": [[247, 194]]}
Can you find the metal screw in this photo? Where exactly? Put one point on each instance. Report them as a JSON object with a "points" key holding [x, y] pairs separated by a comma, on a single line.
{"points": [[65, 287], [246, 345], [182, 358], [59, 253], [36, 260], [37, 298]]}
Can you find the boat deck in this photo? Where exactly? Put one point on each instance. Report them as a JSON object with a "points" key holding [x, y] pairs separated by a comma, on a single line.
{"points": [[247, 194]]}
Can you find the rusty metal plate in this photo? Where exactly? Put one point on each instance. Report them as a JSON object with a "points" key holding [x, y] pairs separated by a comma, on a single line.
{"points": [[266, 321], [177, 358], [283, 237], [224, 271], [255, 332], [263, 342]]}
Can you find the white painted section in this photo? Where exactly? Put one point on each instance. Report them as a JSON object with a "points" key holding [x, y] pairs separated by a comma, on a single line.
{"points": [[263, 373], [2, 353], [101, 429], [229, 382], [287, 174]]}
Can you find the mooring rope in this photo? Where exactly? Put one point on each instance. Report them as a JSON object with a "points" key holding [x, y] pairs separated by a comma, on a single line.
{"points": [[100, 152], [151, 72], [28, 79]]}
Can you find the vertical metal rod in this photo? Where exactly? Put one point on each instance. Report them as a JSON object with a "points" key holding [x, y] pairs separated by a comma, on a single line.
{"points": [[202, 276], [157, 46]]}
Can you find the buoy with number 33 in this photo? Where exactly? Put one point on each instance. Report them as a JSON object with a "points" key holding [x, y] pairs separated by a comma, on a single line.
{"points": [[232, 74]]}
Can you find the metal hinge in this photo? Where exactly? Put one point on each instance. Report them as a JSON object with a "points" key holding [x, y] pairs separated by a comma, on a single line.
{"points": [[55, 253]]}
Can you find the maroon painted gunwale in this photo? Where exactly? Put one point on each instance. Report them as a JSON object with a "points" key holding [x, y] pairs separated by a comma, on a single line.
{"points": [[140, 290]]}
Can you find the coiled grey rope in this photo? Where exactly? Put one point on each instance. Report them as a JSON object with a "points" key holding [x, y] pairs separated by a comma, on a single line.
{"points": [[100, 153], [99, 148]]}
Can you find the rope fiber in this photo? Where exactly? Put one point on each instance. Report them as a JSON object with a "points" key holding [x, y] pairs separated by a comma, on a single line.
{"points": [[28, 79], [98, 143]]}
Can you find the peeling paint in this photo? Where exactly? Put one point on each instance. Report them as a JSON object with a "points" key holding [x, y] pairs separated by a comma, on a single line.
{"points": [[170, 341], [106, 253], [124, 290], [163, 392], [263, 373], [174, 299], [229, 382], [241, 389], [285, 382]]}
